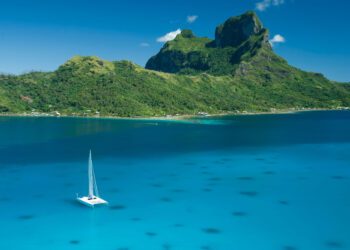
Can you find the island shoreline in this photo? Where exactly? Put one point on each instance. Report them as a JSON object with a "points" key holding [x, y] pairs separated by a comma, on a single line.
{"points": [[176, 117]]}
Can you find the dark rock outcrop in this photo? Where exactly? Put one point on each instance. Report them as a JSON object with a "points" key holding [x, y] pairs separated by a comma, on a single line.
{"points": [[238, 38], [236, 30]]}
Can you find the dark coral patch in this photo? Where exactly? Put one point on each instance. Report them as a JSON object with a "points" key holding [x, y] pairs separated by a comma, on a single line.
{"points": [[289, 248], [260, 159], [245, 178], [74, 242], [239, 214], [157, 185], [338, 177], [166, 199], [283, 202], [166, 246], [211, 230], [334, 244], [178, 190], [26, 217], [151, 234], [3, 199], [249, 193], [117, 207]]}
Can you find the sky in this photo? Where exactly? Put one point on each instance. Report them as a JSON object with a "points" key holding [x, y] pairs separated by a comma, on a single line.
{"points": [[41, 35]]}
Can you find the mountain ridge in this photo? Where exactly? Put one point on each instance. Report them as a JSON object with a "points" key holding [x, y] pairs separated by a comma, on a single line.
{"points": [[237, 71], [237, 39]]}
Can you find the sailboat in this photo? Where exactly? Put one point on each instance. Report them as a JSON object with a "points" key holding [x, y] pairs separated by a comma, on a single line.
{"points": [[93, 198]]}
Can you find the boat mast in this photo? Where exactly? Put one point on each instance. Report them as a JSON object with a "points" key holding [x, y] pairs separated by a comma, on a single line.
{"points": [[91, 177]]}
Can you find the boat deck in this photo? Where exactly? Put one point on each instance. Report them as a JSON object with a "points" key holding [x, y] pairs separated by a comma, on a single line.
{"points": [[92, 202]]}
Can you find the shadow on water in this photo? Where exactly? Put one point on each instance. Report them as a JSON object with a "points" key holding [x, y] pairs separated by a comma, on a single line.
{"points": [[166, 199], [334, 244], [135, 219], [166, 246], [5, 199], [151, 234], [117, 207], [249, 193], [26, 217], [211, 230], [179, 225], [338, 177], [239, 214], [178, 190], [50, 140], [206, 248], [74, 242], [289, 248], [282, 202]]}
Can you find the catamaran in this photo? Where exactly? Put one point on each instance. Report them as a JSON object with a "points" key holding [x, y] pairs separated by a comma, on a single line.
{"points": [[93, 198]]}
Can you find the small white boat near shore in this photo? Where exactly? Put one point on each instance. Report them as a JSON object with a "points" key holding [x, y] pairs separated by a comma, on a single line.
{"points": [[93, 198]]}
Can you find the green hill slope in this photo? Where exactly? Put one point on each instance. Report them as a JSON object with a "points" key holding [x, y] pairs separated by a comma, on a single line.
{"points": [[238, 71]]}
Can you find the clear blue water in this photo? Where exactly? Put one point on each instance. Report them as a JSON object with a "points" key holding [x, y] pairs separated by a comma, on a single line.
{"points": [[245, 182]]}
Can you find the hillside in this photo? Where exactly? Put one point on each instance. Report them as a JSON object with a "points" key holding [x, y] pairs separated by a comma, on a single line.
{"points": [[238, 71]]}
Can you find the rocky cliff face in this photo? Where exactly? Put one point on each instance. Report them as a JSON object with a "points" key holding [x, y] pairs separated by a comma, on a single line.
{"points": [[236, 30]]}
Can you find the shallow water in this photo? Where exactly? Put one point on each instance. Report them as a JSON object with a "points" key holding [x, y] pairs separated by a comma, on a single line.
{"points": [[244, 182]]}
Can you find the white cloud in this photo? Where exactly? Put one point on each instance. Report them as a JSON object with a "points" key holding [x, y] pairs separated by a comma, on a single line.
{"points": [[192, 19], [277, 39], [169, 36], [264, 4], [144, 44]]}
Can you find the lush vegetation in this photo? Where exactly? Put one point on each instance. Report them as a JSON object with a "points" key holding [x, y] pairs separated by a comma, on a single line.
{"points": [[236, 40], [211, 77]]}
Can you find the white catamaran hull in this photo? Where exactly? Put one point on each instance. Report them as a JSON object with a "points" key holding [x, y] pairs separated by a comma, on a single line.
{"points": [[92, 202], [93, 198]]}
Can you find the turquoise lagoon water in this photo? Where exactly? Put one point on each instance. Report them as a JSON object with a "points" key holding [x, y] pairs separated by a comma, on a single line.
{"points": [[245, 182]]}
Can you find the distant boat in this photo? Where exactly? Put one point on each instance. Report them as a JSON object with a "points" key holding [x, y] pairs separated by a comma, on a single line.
{"points": [[93, 198]]}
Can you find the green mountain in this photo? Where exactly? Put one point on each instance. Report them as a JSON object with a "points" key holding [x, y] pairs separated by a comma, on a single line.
{"points": [[237, 71], [238, 39]]}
